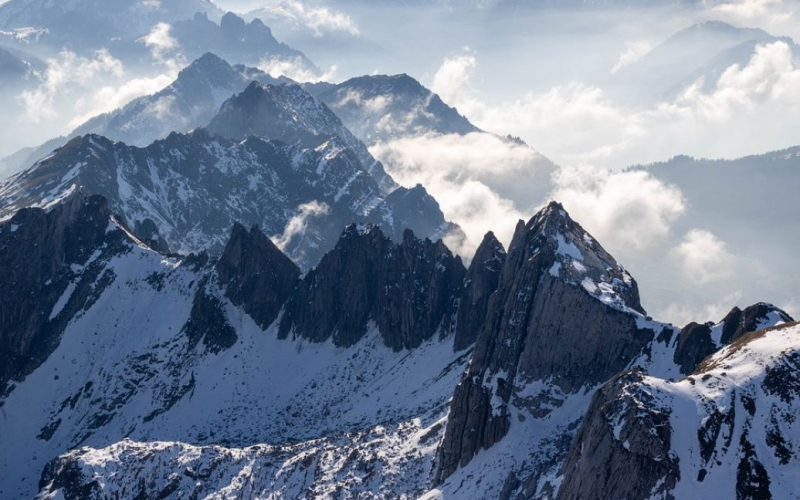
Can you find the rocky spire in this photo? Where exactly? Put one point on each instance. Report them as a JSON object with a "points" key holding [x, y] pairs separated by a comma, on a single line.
{"points": [[482, 280], [256, 275], [407, 289], [564, 311]]}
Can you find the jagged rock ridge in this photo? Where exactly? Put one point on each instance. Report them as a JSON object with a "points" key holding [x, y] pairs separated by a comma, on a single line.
{"points": [[194, 334], [169, 345], [195, 186], [408, 289]]}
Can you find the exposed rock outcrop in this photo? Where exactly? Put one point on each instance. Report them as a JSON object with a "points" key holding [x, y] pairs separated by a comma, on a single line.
{"points": [[623, 447], [409, 290], [725, 431], [482, 280], [48, 275], [696, 341], [564, 311], [256, 275]]}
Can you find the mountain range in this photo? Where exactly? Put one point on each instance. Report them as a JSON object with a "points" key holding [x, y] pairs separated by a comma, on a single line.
{"points": [[273, 156], [358, 379], [195, 97], [699, 53], [217, 291]]}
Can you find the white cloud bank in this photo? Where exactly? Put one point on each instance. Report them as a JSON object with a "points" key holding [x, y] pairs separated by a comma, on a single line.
{"points": [[704, 257], [753, 12], [295, 68], [319, 19], [626, 211], [577, 124], [633, 52], [480, 180], [65, 72]]}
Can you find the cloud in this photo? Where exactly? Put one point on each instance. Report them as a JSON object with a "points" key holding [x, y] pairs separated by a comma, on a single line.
{"points": [[297, 224], [320, 20], [481, 181], [627, 211], [98, 84], [63, 73], [577, 124], [452, 78], [484, 182], [160, 42], [633, 52], [109, 98], [683, 313], [295, 68], [759, 11], [769, 77], [573, 123], [704, 257], [374, 105]]}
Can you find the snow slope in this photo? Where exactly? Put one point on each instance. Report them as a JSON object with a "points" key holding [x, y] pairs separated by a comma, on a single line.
{"points": [[125, 368]]}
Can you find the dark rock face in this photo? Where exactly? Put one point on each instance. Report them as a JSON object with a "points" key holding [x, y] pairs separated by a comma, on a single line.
{"points": [[44, 255], [482, 280], [147, 231], [256, 275], [696, 342], [753, 318], [408, 289], [626, 461], [208, 323], [564, 311]]}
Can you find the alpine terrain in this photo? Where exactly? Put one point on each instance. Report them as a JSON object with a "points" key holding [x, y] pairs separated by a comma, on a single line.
{"points": [[166, 375], [229, 273]]}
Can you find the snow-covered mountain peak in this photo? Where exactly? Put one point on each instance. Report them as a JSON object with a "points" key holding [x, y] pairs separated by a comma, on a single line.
{"points": [[261, 107], [577, 257], [288, 113], [382, 107]]}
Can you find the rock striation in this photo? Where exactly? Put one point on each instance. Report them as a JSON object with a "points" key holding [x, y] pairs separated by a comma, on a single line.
{"points": [[256, 275], [408, 290], [564, 311]]}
